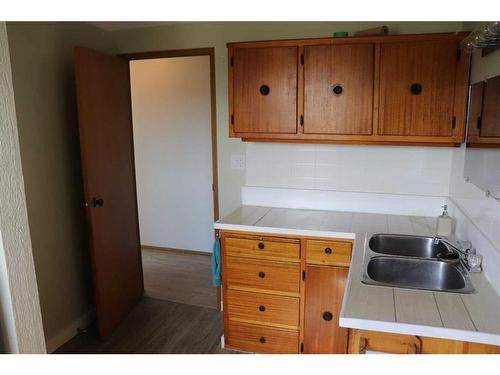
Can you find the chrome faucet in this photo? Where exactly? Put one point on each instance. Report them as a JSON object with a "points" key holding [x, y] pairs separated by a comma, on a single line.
{"points": [[464, 248]]}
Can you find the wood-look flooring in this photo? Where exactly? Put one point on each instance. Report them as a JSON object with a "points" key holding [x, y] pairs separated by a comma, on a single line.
{"points": [[157, 327], [178, 276]]}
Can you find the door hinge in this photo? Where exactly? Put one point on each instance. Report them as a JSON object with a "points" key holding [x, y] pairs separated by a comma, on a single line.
{"points": [[301, 59], [232, 61], [479, 122], [453, 122], [459, 53], [301, 120], [303, 275], [302, 347]]}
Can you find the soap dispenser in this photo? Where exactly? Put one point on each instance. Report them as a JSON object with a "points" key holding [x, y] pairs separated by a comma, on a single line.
{"points": [[445, 223]]}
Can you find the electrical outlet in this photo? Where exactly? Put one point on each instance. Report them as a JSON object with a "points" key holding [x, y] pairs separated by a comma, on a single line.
{"points": [[237, 161]]}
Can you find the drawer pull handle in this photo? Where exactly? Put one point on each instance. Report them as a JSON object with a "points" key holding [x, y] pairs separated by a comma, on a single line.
{"points": [[262, 340], [327, 315], [262, 275], [262, 308], [261, 245], [328, 251]]}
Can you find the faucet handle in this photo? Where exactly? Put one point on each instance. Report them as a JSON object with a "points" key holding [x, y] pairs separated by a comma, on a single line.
{"points": [[465, 246]]}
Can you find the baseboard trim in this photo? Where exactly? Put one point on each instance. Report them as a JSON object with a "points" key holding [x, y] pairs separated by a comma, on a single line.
{"points": [[172, 250], [67, 333]]}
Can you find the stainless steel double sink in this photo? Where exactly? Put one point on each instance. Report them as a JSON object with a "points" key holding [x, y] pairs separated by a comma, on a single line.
{"points": [[414, 262]]}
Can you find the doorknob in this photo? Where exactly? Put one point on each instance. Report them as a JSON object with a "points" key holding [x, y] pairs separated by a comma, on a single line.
{"points": [[97, 202]]}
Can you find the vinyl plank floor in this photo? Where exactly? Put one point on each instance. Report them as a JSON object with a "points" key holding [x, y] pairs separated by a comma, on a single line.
{"points": [[178, 277], [156, 327]]}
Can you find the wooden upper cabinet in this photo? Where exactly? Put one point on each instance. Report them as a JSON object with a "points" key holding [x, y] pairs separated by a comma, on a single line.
{"points": [[397, 89], [417, 87], [338, 89], [264, 90]]}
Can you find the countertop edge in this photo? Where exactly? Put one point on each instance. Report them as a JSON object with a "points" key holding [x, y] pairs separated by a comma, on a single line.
{"points": [[420, 330], [285, 231]]}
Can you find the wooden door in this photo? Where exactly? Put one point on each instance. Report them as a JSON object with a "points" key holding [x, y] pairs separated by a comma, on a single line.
{"points": [[417, 87], [490, 123], [338, 89], [323, 299], [265, 90], [106, 146]]}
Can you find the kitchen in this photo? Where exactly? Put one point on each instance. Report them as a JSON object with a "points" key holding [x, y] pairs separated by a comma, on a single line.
{"points": [[350, 187]]}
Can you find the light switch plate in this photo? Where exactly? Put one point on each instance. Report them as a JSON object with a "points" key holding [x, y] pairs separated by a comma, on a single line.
{"points": [[237, 161]]}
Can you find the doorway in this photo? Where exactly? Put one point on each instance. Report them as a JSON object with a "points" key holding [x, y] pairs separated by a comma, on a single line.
{"points": [[173, 117], [176, 160]]}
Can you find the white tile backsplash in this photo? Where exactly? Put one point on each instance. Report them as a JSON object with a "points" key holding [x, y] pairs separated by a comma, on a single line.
{"points": [[355, 168]]}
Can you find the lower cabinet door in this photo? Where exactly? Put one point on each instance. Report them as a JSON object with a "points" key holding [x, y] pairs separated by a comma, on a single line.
{"points": [[323, 299], [260, 339]]}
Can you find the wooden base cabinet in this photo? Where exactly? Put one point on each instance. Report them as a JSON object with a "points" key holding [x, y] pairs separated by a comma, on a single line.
{"points": [[323, 299], [362, 342], [278, 298]]}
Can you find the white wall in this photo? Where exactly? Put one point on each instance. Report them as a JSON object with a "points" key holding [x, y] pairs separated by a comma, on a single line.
{"points": [[375, 169], [172, 139]]}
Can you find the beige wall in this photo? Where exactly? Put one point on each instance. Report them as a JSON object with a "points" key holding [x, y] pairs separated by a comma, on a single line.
{"points": [[42, 70], [205, 34]]}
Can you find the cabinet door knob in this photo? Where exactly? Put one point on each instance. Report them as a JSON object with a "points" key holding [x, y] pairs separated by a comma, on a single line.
{"points": [[262, 275], [327, 315], [264, 90], [337, 89], [262, 308], [261, 245], [416, 88], [328, 251], [262, 340]]}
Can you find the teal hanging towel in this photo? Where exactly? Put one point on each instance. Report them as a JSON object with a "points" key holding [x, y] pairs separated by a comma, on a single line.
{"points": [[216, 263]]}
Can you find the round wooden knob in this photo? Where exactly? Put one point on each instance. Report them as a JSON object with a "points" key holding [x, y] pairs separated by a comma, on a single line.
{"points": [[261, 245], [262, 275], [262, 340], [262, 308], [328, 251]]}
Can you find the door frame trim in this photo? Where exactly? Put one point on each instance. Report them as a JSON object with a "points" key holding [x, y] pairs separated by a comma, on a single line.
{"points": [[210, 51]]}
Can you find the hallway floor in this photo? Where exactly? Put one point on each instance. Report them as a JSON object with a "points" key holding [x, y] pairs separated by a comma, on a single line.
{"points": [[156, 327]]}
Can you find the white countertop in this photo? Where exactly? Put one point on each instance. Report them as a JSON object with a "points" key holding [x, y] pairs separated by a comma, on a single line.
{"points": [[468, 317]]}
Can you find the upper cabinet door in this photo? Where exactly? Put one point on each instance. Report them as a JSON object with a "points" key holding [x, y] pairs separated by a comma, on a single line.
{"points": [[264, 90], [338, 89], [417, 88]]}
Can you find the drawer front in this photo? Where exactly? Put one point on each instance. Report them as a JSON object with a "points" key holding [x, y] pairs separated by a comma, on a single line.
{"points": [[266, 309], [331, 253], [260, 274], [260, 339], [272, 249]]}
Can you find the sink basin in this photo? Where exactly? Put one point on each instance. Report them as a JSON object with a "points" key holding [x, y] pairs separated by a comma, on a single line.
{"points": [[408, 246], [416, 273]]}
